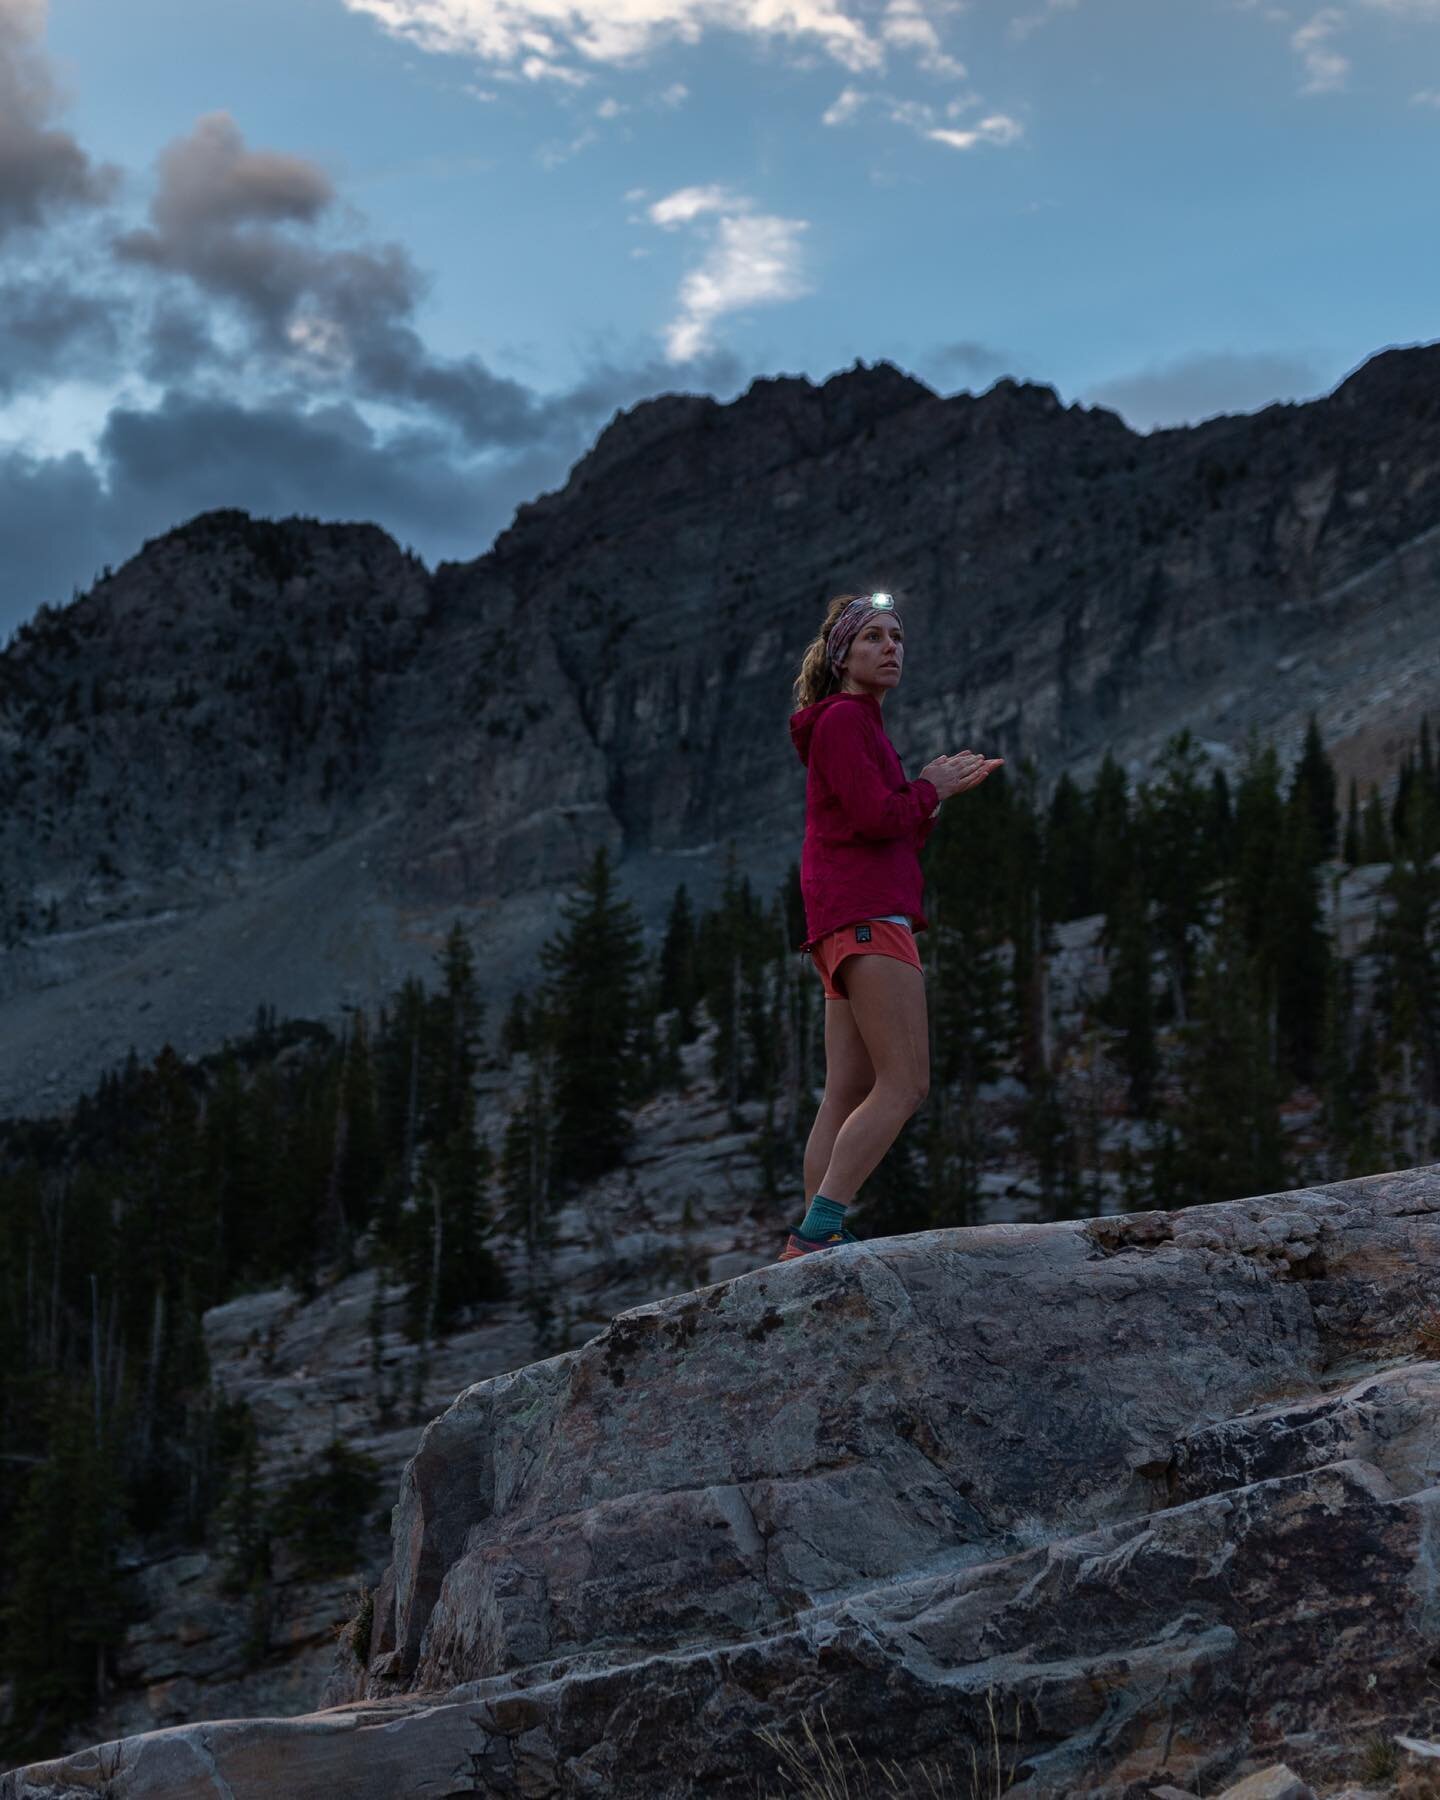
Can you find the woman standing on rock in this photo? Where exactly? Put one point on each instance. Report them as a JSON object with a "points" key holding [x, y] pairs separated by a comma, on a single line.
{"points": [[865, 825]]}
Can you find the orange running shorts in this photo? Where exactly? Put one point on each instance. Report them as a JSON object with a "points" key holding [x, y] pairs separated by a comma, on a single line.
{"points": [[872, 937]]}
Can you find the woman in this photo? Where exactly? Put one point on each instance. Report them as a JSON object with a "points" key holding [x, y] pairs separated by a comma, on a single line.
{"points": [[860, 876]]}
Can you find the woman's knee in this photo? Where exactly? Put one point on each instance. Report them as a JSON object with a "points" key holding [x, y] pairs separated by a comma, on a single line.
{"points": [[905, 1094], [841, 1098]]}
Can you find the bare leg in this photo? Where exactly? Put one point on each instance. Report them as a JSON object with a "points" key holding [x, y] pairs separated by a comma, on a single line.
{"points": [[887, 1006], [849, 1077]]}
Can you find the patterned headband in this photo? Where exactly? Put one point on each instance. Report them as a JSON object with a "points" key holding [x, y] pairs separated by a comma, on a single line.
{"points": [[845, 629]]}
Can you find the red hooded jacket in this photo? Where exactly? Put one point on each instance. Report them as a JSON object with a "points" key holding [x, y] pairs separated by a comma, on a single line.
{"points": [[864, 822]]}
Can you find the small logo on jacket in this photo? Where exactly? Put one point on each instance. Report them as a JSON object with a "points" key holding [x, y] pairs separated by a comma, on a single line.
{"points": [[862, 934]]}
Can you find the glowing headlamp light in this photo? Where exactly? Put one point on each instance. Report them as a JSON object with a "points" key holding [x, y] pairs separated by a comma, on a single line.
{"points": [[883, 602]]}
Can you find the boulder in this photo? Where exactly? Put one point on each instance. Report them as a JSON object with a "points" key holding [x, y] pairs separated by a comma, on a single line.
{"points": [[1099, 1507], [1275, 1783]]}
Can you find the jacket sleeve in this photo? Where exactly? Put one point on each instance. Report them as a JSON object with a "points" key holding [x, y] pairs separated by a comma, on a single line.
{"points": [[842, 751]]}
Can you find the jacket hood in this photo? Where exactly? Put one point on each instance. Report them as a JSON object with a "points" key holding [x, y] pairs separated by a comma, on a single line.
{"points": [[803, 723]]}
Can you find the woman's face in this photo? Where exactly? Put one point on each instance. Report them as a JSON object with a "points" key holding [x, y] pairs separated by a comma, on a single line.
{"points": [[877, 655]]}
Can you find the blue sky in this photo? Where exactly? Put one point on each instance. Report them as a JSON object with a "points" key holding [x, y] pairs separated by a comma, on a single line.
{"points": [[402, 259]]}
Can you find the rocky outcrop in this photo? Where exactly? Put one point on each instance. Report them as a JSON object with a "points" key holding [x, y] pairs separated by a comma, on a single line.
{"points": [[274, 761], [1140, 1502]]}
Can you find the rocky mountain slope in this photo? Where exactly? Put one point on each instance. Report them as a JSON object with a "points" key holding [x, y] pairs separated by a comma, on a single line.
{"points": [[1126, 1504], [273, 762]]}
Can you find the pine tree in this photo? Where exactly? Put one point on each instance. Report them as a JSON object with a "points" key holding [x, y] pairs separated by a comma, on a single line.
{"points": [[678, 979], [1294, 946], [1067, 878], [529, 1199], [1313, 789], [1350, 847], [1259, 827], [1128, 1006], [1110, 826], [1229, 1140], [64, 1614], [1178, 857], [1409, 977], [593, 965], [1375, 843], [515, 1031], [732, 948]]}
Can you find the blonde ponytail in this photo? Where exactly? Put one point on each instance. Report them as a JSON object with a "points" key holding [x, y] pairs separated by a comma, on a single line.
{"points": [[817, 680]]}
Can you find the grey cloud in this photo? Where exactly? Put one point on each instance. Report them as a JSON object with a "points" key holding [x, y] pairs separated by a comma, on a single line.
{"points": [[49, 331], [217, 218], [42, 170], [1200, 385], [177, 343], [209, 180], [55, 528], [334, 318], [191, 453], [63, 518], [608, 384]]}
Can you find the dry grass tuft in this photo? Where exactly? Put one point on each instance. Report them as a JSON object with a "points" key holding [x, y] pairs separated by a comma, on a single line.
{"points": [[1379, 1760], [1427, 1333], [820, 1766], [355, 1632]]}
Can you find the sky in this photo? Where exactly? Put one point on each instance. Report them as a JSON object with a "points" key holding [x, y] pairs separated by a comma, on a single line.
{"points": [[402, 260]]}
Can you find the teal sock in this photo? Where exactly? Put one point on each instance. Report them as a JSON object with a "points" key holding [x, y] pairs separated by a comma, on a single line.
{"points": [[823, 1217]]}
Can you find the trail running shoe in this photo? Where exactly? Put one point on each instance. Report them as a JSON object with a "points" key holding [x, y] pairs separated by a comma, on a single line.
{"points": [[795, 1245]]}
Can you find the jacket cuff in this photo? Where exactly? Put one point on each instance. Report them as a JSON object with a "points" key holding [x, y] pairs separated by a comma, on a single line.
{"points": [[923, 786]]}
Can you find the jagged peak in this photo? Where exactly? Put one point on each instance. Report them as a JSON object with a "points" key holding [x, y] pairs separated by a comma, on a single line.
{"points": [[864, 392], [231, 525], [1402, 370]]}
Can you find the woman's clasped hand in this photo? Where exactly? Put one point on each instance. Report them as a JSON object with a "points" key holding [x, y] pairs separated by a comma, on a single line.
{"points": [[959, 773]]}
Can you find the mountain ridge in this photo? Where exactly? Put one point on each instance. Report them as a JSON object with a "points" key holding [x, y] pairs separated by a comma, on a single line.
{"points": [[245, 696]]}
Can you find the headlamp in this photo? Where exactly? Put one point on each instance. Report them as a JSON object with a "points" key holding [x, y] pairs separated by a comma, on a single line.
{"points": [[883, 602]]}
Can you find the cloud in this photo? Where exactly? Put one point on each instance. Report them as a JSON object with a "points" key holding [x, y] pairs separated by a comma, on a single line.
{"points": [[1027, 24], [51, 331], [998, 129], [1426, 97], [242, 227], [844, 107], [686, 204], [504, 33], [536, 68], [177, 343], [919, 116], [1324, 68], [43, 170], [754, 260], [905, 25], [56, 533], [1204, 383], [675, 95]]}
